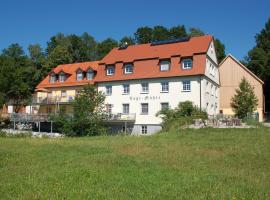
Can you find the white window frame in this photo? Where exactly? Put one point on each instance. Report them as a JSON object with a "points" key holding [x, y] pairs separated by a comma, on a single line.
{"points": [[144, 110], [186, 86], [165, 87], [108, 90], [145, 88], [187, 63], [162, 104], [126, 89], [52, 78], [63, 93], [125, 107], [144, 129], [130, 67], [88, 73], [62, 77], [79, 72], [109, 108], [110, 70], [164, 65]]}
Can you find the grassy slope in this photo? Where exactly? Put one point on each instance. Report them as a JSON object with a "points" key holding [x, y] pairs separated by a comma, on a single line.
{"points": [[202, 164]]}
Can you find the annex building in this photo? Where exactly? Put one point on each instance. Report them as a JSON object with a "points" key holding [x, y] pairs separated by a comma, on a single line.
{"points": [[139, 81]]}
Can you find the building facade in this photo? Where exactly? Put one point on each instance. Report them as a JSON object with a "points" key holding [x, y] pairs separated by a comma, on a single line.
{"points": [[139, 81], [231, 74]]}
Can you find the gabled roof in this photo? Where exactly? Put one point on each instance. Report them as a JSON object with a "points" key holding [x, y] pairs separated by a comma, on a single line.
{"points": [[241, 65], [70, 70], [195, 45]]}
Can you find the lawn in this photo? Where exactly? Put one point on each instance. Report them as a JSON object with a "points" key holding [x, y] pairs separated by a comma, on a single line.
{"points": [[190, 164]]}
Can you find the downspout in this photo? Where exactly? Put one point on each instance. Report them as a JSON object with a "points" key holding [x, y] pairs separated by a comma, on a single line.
{"points": [[200, 92]]}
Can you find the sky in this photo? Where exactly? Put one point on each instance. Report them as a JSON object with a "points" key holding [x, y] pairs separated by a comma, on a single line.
{"points": [[234, 22]]}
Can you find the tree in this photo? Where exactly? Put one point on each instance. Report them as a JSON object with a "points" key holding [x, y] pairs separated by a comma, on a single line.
{"points": [[193, 32], [258, 60], [143, 35], [178, 32], [127, 41], [244, 101], [15, 85], [59, 55], [160, 33], [220, 50], [37, 55], [106, 46], [88, 114], [14, 50]]}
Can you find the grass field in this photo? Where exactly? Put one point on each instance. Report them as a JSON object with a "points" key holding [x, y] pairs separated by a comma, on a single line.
{"points": [[193, 164]]}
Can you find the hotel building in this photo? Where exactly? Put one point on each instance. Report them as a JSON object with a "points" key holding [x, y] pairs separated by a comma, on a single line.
{"points": [[138, 81]]}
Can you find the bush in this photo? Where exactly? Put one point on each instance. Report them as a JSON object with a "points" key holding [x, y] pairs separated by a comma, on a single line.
{"points": [[182, 115]]}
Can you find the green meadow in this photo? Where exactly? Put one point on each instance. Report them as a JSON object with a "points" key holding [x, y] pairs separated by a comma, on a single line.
{"points": [[185, 164]]}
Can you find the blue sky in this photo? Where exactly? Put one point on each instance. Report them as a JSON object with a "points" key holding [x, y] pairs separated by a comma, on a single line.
{"points": [[35, 21]]}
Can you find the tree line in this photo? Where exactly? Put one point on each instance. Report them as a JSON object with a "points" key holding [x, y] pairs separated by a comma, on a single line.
{"points": [[20, 72]]}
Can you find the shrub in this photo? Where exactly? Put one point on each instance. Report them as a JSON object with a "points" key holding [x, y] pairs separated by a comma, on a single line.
{"points": [[183, 114]]}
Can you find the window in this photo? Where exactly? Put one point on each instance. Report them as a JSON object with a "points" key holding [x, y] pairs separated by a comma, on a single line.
{"points": [[144, 108], [186, 86], [216, 92], [125, 89], [63, 93], [144, 129], [212, 90], [164, 66], [90, 74], [125, 108], [79, 75], [145, 88], [62, 77], [110, 70], [187, 63], [108, 90], [53, 78], [128, 69], [207, 87], [165, 87], [109, 108], [164, 106]]}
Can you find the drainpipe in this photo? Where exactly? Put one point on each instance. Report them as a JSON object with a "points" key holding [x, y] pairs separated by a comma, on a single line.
{"points": [[200, 92]]}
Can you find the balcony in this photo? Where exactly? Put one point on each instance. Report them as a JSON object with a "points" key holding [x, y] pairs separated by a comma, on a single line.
{"points": [[43, 117], [52, 100], [120, 117]]}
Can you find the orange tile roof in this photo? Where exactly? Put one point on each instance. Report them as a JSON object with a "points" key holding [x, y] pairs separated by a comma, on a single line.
{"points": [[71, 70], [195, 45], [145, 58]]}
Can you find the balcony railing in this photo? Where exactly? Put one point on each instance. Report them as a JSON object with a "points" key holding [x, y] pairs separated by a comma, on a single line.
{"points": [[24, 117], [121, 117], [52, 100]]}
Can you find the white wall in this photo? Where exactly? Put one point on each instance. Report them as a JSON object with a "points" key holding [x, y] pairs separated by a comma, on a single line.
{"points": [[154, 98]]}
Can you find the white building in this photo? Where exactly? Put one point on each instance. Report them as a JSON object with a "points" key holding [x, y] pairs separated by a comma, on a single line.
{"points": [[140, 80]]}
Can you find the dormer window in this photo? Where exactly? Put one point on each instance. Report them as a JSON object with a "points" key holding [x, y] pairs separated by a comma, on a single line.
{"points": [[90, 74], [164, 65], [187, 63], [79, 75], [128, 69], [52, 78], [110, 70], [62, 77]]}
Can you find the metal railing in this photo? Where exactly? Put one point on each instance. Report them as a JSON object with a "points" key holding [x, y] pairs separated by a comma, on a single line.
{"points": [[120, 117], [43, 117], [52, 100]]}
